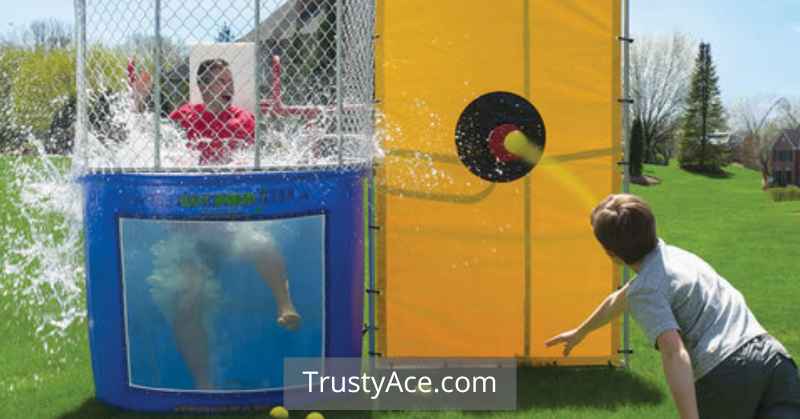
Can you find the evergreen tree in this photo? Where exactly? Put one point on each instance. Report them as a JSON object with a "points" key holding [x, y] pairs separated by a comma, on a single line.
{"points": [[637, 148], [225, 34], [703, 116]]}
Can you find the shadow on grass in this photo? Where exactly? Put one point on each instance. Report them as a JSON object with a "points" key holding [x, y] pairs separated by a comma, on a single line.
{"points": [[591, 388], [95, 409], [595, 387], [710, 174]]}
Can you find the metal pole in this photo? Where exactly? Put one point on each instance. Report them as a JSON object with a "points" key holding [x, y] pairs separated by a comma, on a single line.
{"points": [[372, 201], [627, 174], [80, 76], [157, 90], [339, 88], [527, 189], [258, 82], [372, 221]]}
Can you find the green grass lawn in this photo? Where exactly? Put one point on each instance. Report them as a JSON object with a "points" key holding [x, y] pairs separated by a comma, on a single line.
{"points": [[730, 222]]}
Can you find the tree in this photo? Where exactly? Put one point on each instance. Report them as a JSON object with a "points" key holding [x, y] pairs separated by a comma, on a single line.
{"points": [[760, 119], [660, 74], [143, 46], [42, 83], [41, 35], [637, 148], [790, 113], [12, 134], [50, 34], [225, 34], [704, 115]]}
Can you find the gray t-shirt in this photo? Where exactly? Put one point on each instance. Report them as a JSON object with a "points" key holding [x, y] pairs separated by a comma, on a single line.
{"points": [[676, 290]]}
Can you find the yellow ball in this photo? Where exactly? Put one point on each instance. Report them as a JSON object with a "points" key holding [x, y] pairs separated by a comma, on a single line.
{"points": [[279, 412], [315, 415], [516, 142]]}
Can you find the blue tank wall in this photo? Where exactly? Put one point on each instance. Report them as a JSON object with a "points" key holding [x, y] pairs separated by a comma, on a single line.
{"points": [[336, 195]]}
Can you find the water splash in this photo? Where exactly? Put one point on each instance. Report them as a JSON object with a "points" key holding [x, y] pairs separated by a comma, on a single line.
{"points": [[125, 141], [42, 268]]}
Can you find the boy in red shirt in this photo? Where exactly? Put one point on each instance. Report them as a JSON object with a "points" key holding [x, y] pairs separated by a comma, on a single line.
{"points": [[215, 127]]}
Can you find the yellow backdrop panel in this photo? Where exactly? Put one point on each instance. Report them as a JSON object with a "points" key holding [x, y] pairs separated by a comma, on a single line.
{"points": [[453, 267]]}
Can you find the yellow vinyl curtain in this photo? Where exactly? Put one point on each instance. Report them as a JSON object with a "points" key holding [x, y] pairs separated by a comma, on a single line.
{"points": [[472, 268]]}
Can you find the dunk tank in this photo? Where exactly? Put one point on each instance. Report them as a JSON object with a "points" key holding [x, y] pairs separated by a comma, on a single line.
{"points": [[232, 216], [225, 149]]}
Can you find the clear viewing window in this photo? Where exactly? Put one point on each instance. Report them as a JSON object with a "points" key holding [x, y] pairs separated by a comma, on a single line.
{"points": [[217, 305]]}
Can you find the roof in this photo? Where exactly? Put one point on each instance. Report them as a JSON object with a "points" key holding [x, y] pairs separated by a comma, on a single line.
{"points": [[791, 135], [720, 138], [294, 17], [738, 137]]}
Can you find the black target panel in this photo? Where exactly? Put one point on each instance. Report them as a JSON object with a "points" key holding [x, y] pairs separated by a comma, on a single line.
{"points": [[476, 124]]}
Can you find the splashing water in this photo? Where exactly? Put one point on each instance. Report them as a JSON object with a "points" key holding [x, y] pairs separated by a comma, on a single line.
{"points": [[42, 269], [126, 142]]}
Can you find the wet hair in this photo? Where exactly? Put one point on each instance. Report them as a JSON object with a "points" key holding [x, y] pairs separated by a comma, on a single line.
{"points": [[625, 225], [205, 75]]}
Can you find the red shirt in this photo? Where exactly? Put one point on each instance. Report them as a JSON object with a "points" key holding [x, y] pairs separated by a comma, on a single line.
{"points": [[215, 135]]}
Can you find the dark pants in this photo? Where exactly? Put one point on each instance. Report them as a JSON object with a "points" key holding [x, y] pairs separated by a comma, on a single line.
{"points": [[760, 380]]}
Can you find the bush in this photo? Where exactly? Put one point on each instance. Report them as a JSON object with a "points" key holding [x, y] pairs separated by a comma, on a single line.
{"points": [[788, 193], [42, 83], [38, 94], [710, 159], [12, 133]]}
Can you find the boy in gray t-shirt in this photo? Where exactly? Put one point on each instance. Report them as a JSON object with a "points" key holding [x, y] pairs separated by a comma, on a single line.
{"points": [[718, 360]]}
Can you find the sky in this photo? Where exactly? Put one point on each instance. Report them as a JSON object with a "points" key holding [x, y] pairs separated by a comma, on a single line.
{"points": [[755, 43], [21, 13]]}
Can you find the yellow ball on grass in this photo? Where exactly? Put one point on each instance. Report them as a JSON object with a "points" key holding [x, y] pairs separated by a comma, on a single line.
{"points": [[279, 412]]}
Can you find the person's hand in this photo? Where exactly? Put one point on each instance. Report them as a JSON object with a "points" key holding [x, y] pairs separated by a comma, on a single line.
{"points": [[570, 339], [140, 82]]}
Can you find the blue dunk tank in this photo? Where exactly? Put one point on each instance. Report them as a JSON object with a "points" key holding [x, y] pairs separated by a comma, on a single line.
{"points": [[224, 173]]}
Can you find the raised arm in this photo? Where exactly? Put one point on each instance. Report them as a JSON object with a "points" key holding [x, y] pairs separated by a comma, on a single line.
{"points": [[242, 126], [610, 308], [140, 84]]}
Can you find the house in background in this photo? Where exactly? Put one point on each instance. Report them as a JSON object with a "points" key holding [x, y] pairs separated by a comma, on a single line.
{"points": [[302, 34], [727, 140], [785, 158]]}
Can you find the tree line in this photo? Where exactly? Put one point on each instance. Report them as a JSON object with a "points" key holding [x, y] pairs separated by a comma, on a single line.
{"points": [[678, 111]]}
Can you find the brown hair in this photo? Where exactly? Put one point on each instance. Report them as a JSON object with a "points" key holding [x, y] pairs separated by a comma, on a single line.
{"points": [[204, 73], [625, 225]]}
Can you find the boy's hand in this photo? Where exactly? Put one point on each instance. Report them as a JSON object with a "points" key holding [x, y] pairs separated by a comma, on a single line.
{"points": [[570, 339], [140, 82]]}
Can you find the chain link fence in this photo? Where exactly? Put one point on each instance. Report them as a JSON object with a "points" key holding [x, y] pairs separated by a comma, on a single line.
{"points": [[175, 86]]}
